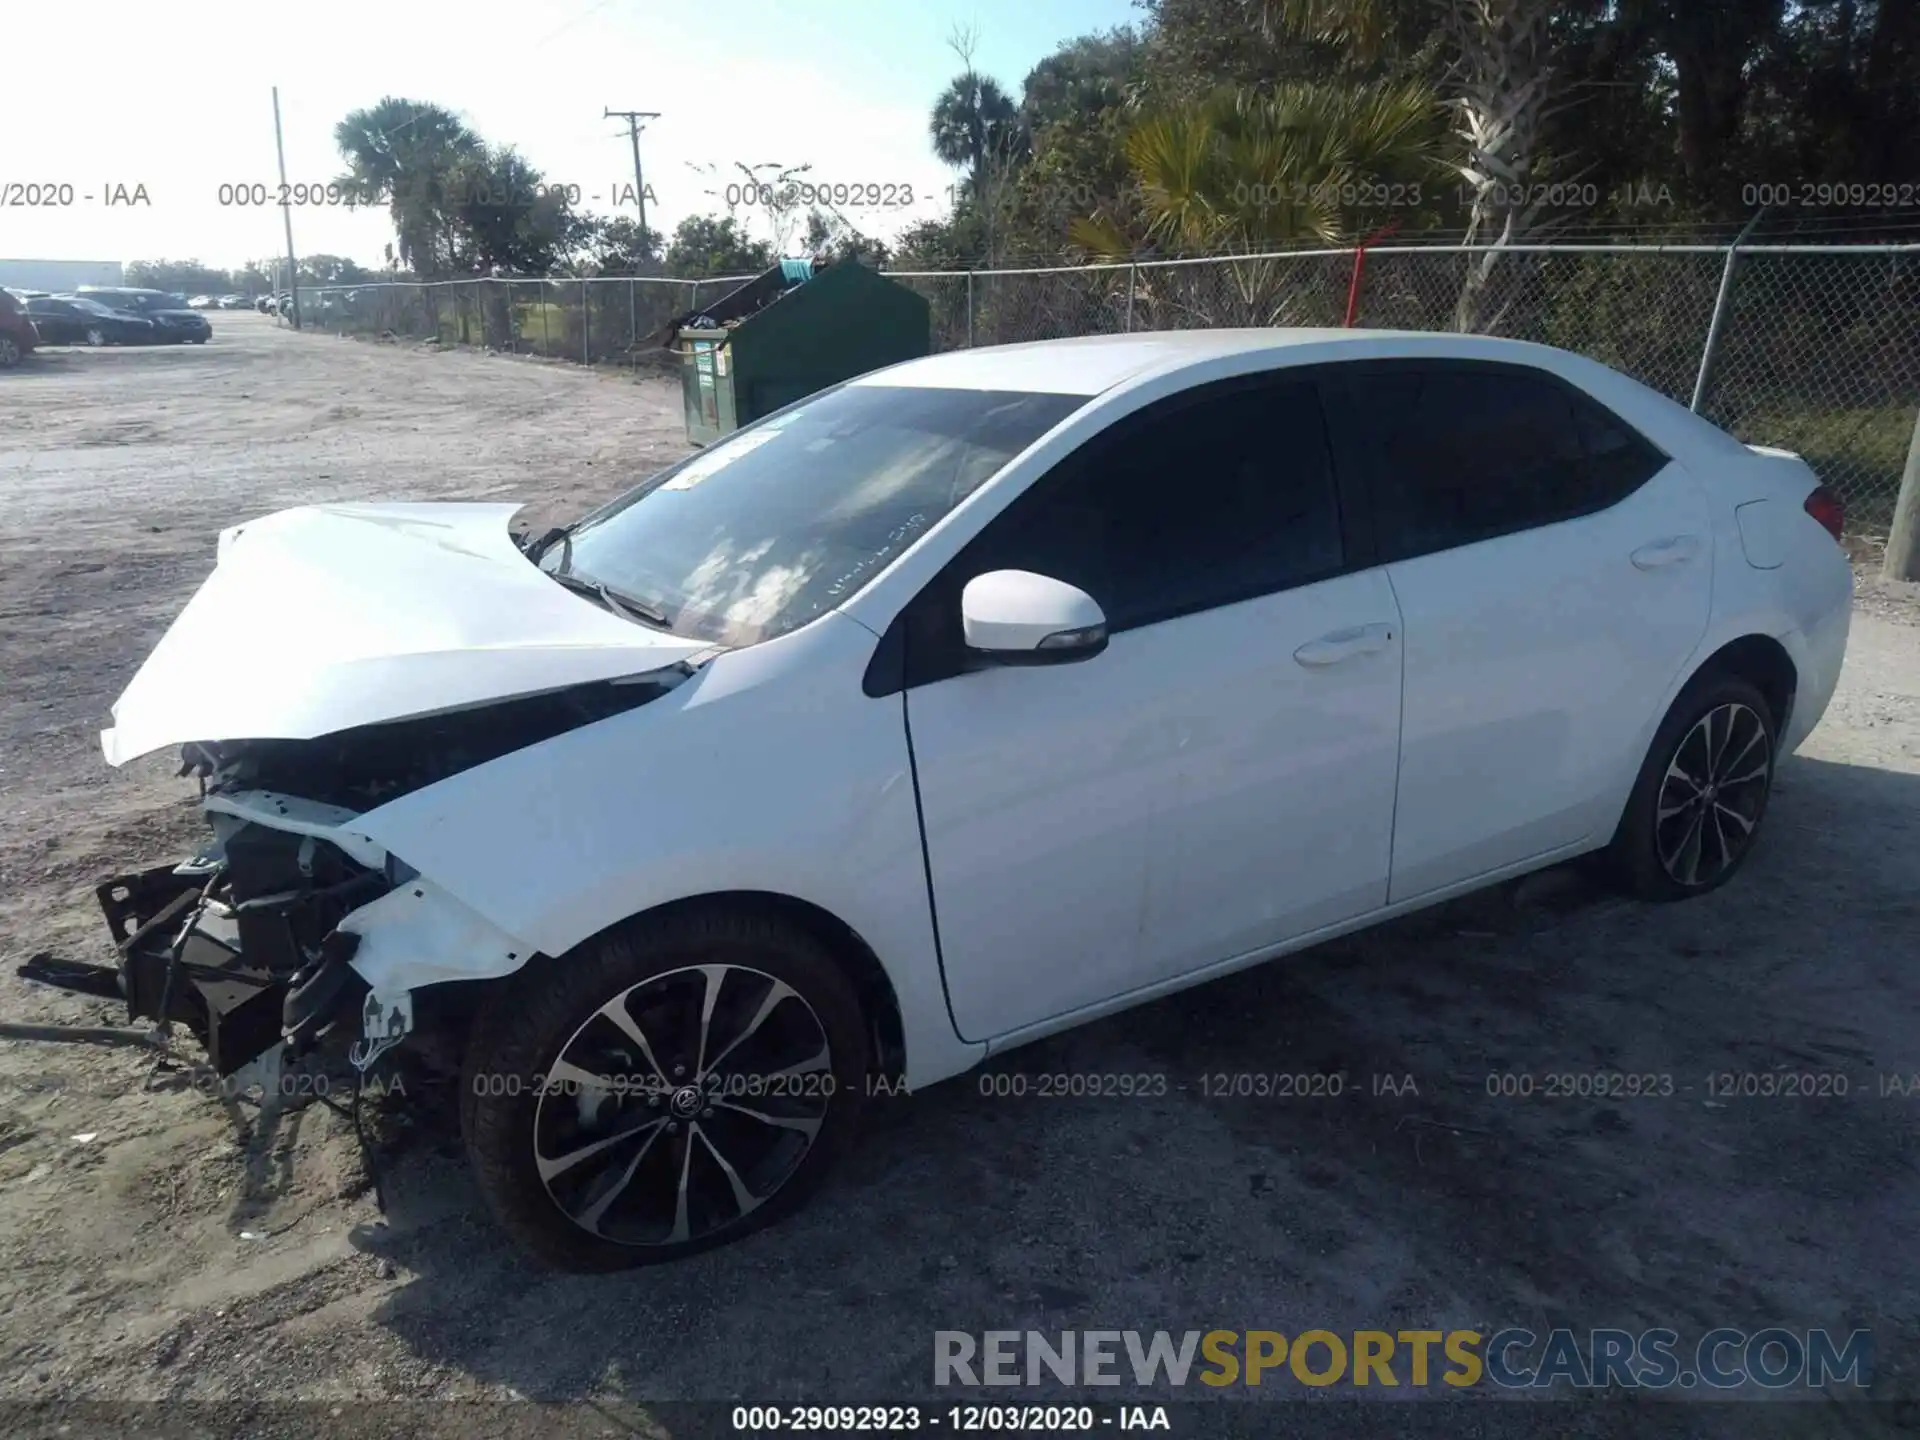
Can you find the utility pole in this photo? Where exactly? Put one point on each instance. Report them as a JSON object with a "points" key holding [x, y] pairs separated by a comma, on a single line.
{"points": [[286, 211], [634, 119], [1902, 560]]}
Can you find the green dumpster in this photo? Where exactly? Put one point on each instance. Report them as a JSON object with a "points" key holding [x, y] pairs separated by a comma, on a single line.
{"points": [[787, 333]]}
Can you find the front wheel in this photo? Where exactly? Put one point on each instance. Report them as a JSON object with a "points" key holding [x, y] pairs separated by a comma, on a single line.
{"points": [[1702, 792], [670, 1087], [9, 352], [96, 337]]}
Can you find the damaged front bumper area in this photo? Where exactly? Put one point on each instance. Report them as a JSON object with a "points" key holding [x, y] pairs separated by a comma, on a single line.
{"points": [[289, 928], [289, 924]]}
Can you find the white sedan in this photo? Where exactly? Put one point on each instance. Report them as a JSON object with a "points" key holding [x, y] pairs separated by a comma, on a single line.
{"points": [[948, 708]]}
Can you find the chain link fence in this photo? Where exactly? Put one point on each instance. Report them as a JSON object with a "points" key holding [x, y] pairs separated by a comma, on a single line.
{"points": [[591, 322], [1816, 349]]}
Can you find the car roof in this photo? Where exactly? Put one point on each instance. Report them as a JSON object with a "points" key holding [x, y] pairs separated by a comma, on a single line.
{"points": [[1090, 364]]}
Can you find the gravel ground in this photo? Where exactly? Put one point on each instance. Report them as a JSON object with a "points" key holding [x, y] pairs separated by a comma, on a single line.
{"points": [[157, 1245]]}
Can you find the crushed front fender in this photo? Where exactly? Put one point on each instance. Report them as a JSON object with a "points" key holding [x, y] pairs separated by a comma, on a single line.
{"points": [[417, 934]]}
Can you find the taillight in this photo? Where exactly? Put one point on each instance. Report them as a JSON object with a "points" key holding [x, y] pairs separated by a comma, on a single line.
{"points": [[1824, 506]]}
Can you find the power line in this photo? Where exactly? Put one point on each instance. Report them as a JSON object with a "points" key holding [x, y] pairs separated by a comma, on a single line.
{"points": [[592, 9], [634, 119]]}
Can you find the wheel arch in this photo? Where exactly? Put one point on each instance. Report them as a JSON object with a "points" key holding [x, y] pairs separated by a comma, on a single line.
{"points": [[1763, 662], [1755, 656], [878, 1000]]}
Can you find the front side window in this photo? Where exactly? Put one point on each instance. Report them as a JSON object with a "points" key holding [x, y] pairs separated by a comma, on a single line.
{"points": [[788, 519], [1209, 500], [1202, 501]]}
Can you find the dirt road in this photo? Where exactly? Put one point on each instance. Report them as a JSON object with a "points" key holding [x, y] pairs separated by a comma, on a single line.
{"points": [[154, 1245]]}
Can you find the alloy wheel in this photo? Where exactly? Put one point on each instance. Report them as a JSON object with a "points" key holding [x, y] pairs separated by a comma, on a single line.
{"points": [[1712, 795], [96, 336], [9, 352], [682, 1105]]}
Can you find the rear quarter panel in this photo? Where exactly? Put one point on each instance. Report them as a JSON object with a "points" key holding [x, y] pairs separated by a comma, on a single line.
{"points": [[1804, 600]]}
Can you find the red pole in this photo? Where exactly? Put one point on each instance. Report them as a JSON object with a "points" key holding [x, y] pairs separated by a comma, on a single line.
{"points": [[1360, 268]]}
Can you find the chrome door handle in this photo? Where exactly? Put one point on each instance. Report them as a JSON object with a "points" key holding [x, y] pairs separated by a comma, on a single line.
{"points": [[1674, 550], [1344, 645]]}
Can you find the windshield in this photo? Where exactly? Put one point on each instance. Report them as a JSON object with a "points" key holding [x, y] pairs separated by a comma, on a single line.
{"points": [[785, 520]]}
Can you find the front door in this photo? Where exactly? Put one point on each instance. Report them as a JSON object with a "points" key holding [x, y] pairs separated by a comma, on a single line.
{"points": [[1220, 778]]}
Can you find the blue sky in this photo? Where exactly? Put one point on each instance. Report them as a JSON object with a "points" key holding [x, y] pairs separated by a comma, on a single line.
{"points": [[842, 85]]}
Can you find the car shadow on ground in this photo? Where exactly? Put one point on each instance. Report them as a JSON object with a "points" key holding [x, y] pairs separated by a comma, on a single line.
{"points": [[1438, 1184]]}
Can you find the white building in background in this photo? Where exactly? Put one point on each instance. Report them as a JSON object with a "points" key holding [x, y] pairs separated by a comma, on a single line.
{"points": [[59, 275]]}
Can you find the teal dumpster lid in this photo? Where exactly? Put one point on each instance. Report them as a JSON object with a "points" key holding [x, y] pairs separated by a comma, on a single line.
{"points": [[794, 271]]}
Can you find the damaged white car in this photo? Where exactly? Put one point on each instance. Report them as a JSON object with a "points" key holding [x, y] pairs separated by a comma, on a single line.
{"points": [[943, 710]]}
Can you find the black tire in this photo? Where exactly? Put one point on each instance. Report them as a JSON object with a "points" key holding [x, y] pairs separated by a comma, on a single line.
{"points": [[517, 1114], [1652, 848]]}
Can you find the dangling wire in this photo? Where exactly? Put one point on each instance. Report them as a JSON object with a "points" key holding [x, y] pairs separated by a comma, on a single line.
{"points": [[369, 1155], [163, 1025]]}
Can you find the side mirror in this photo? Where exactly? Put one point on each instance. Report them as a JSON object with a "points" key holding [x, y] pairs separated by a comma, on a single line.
{"points": [[1015, 617]]}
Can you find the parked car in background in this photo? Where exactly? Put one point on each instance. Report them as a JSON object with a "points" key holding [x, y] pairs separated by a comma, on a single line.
{"points": [[78, 320], [201, 302], [172, 318], [17, 335], [233, 302]]}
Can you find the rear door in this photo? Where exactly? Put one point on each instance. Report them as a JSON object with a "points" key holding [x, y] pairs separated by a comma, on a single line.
{"points": [[1554, 573], [54, 319], [1220, 777]]}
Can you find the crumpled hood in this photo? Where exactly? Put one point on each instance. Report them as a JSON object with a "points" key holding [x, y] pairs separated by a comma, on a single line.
{"points": [[330, 616]]}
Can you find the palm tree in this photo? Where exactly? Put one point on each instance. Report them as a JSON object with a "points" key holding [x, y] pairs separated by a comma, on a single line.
{"points": [[975, 124], [1247, 173], [405, 153], [1360, 24], [976, 127], [1503, 86]]}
